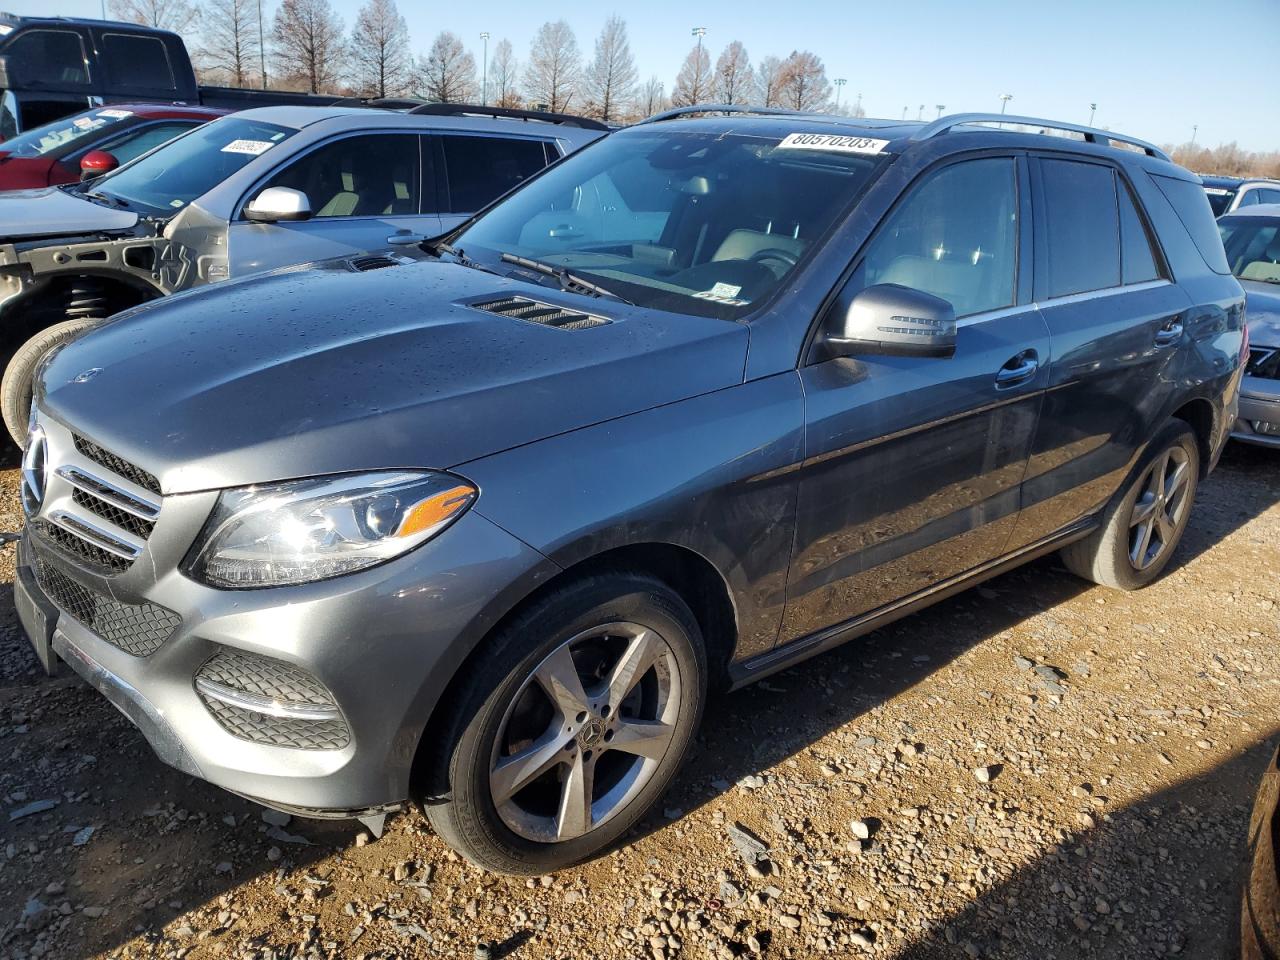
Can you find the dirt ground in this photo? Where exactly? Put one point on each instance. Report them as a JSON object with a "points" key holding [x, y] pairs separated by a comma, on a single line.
{"points": [[836, 809]]}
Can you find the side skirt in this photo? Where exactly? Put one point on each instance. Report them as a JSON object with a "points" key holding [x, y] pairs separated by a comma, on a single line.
{"points": [[780, 658]]}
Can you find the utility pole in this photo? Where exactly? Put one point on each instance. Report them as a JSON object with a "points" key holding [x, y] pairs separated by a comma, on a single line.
{"points": [[262, 47], [857, 107], [941, 107], [1194, 128], [1004, 100], [904, 113], [920, 112], [1093, 108], [484, 83], [839, 82]]}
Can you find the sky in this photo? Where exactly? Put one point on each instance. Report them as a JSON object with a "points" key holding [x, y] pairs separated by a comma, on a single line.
{"points": [[1155, 68]]}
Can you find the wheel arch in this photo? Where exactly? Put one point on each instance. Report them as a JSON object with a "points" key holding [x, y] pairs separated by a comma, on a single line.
{"points": [[688, 573], [45, 302], [1200, 415]]}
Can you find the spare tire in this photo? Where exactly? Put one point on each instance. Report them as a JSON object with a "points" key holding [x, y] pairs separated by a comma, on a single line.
{"points": [[15, 388]]}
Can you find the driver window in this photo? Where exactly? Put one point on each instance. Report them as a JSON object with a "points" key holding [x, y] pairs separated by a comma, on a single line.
{"points": [[365, 176], [955, 237]]}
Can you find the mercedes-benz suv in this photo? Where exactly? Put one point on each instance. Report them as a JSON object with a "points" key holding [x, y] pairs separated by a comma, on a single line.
{"points": [[703, 399]]}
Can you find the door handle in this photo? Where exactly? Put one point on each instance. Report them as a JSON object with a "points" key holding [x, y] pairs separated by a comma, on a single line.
{"points": [[1170, 333], [1018, 370]]}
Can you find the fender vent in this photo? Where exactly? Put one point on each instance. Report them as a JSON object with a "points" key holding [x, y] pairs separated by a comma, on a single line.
{"points": [[544, 313], [362, 264]]}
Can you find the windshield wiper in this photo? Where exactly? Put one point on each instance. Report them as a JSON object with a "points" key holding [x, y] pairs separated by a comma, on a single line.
{"points": [[438, 248], [568, 281], [109, 200]]}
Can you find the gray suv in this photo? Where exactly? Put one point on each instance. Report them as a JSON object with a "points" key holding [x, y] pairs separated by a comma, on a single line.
{"points": [[254, 191], [704, 399]]}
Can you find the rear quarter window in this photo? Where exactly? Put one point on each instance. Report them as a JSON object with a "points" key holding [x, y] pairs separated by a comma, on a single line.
{"points": [[135, 62], [1192, 207]]}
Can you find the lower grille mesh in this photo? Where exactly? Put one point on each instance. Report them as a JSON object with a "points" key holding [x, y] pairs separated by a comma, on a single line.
{"points": [[279, 731], [138, 629]]}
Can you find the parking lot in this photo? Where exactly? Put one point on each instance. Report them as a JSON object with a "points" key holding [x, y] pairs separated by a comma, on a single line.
{"points": [[1119, 736]]}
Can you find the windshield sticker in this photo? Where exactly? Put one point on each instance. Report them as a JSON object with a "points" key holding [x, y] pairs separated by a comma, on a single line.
{"points": [[83, 123], [115, 114], [1216, 191], [727, 300], [725, 290], [831, 141], [251, 147]]}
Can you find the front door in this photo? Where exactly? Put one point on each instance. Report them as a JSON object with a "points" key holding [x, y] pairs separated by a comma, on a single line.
{"points": [[913, 464], [363, 190]]}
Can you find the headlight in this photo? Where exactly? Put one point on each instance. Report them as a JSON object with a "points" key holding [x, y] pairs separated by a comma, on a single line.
{"points": [[304, 530]]}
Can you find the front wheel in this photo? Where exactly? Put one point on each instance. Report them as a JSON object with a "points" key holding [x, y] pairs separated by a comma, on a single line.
{"points": [[1141, 530], [574, 723]]}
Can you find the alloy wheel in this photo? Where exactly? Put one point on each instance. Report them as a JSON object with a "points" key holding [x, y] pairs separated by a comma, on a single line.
{"points": [[1161, 506], [585, 732]]}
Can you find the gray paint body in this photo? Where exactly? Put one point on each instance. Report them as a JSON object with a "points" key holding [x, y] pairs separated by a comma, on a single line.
{"points": [[827, 495]]}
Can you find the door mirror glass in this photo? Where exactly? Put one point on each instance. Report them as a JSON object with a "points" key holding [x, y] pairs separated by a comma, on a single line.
{"points": [[275, 204], [893, 320], [97, 162]]}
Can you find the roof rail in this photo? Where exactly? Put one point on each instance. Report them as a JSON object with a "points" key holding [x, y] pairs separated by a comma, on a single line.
{"points": [[676, 112], [1103, 138], [461, 109]]}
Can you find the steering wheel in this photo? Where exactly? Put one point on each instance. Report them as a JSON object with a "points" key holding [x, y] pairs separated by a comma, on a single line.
{"points": [[774, 253]]}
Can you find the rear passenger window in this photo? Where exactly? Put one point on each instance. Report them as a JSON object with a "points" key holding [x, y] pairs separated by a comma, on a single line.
{"points": [[135, 62], [1192, 206], [481, 169], [1081, 227], [1137, 259], [954, 237]]}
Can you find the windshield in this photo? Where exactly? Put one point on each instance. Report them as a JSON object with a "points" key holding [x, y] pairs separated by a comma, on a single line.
{"points": [[168, 179], [703, 223], [1219, 199], [1253, 247], [61, 133]]}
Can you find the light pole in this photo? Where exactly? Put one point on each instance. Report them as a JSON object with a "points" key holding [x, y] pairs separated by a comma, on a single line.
{"points": [[839, 82], [904, 113], [1093, 108], [941, 107], [262, 47], [484, 83], [699, 93], [1004, 100]]}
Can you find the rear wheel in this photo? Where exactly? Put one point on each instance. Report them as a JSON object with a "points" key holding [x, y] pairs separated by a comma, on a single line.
{"points": [[573, 724], [16, 386], [1141, 530]]}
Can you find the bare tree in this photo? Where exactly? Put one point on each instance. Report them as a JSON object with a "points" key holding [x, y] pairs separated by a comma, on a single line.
{"points": [[805, 84], [176, 15], [447, 74], [734, 80], [555, 66], [503, 71], [229, 48], [653, 97], [609, 85], [308, 43], [693, 82], [770, 80], [1226, 159], [380, 57]]}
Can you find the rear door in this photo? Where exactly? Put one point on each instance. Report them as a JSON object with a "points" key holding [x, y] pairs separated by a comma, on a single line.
{"points": [[912, 464], [1116, 320], [473, 170], [363, 188]]}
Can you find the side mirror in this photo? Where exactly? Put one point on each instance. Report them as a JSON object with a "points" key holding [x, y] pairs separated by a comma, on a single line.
{"points": [[278, 203], [95, 163], [893, 320]]}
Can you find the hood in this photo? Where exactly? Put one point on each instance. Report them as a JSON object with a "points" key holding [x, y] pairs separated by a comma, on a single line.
{"points": [[1262, 312], [54, 212], [305, 373]]}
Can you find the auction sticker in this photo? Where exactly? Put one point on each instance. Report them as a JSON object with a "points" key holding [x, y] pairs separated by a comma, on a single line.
{"points": [[832, 141], [252, 147], [115, 114]]}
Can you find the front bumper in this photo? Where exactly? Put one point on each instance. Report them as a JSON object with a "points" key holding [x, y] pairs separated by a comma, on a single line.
{"points": [[384, 642], [1259, 419]]}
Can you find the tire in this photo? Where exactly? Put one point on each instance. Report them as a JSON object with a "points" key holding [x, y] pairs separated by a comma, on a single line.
{"points": [[493, 810], [1112, 555], [15, 388]]}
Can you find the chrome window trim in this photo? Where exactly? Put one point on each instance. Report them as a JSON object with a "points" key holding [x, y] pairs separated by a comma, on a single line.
{"points": [[1104, 292]]}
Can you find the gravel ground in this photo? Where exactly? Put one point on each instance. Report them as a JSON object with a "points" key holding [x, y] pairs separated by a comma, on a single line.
{"points": [[1035, 768]]}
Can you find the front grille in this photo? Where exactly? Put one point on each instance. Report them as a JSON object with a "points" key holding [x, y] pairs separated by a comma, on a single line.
{"points": [[117, 465], [113, 514], [545, 314], [269, 701], [80, 550], [1264, 362], [138, 629]]}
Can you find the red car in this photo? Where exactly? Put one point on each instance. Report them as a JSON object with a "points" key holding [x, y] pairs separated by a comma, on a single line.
{"points": [[93, 142]]}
